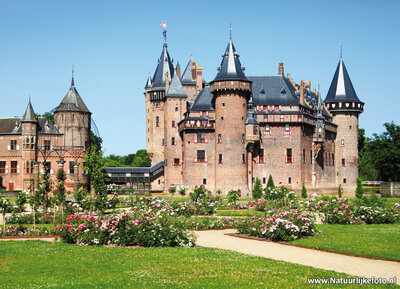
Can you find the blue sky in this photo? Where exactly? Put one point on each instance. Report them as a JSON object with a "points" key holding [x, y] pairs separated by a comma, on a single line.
{"points": [[114, 45]]}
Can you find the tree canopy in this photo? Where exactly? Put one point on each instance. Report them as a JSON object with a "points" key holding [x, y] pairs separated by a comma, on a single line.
{"points": [[379, 157], [138, 159]]}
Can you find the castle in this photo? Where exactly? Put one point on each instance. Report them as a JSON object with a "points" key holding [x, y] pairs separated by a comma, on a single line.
{"points": [[225, 133], [31, 145]]}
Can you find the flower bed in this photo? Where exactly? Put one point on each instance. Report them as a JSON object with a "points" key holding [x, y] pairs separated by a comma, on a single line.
{"points": [[343, 211], [23, 231], [146, 229], [283, 226], [201, 223]]}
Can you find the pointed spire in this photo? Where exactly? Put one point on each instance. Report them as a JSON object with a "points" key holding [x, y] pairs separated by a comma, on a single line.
{"points": [[164, 65], [175, 89], [72, 80], [230, 68], [341, 88], [29, 115], [72, 101], [250, 112], [148, 83], [187, 76]]}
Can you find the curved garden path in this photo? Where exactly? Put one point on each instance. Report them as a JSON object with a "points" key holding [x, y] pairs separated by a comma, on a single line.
{"points": [[356, 266]]}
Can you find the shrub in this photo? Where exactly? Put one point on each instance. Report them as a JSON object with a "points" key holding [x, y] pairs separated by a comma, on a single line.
{"points": [[359, 189], [172, 190], [303, 191], [146, 229], [257, 189], [21, 201], [182, 191], [339, 191], [270, 182], [233, 196], [282, 226]]}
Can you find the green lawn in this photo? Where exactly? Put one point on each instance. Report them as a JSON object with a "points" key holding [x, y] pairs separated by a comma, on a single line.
{"points": [[369, 240], [40, 264], [239, 213]]}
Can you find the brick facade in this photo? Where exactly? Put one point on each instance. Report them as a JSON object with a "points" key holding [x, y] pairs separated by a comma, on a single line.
{"points": [[35, 145], [237, 129]]}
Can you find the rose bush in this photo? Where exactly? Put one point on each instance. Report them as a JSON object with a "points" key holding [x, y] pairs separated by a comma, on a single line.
{"points": [[148, 229], [282, 226]]}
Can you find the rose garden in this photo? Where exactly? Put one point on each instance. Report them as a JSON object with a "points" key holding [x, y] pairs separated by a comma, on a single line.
{"points": [[364, 226]]}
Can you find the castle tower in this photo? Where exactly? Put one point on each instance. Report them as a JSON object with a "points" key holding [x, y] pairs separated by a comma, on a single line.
{"points": [[345, 107], [155, 91], [29, 123], [231, 90], [174, 108], [73, 118]]}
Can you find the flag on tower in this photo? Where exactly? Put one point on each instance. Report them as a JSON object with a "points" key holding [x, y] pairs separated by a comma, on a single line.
{"points": [[164, 24]]}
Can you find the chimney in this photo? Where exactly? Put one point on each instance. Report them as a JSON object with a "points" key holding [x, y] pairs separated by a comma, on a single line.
{"points": [[281, 69], [308, 85], [166, 81], [199, 78], [302, 92], [193, 69], [291, 81], [178, 71]]}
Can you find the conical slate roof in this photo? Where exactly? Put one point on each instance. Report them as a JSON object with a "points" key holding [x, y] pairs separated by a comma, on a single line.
{"points": [[187, 77], [148, 82], [231, 68], [29, 115], [204, 100], [164, 65], [72, 101], [341, 88], [250, 113], [175, 89]]}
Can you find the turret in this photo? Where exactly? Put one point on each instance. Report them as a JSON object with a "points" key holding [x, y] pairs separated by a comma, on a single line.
{"points": [[232, 91], [29, 123], [73, 118], [345, 107]]}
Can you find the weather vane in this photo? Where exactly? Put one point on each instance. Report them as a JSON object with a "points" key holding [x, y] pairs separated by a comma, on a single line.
{"points": [[164, 25], [341, 48], [230, 30]]}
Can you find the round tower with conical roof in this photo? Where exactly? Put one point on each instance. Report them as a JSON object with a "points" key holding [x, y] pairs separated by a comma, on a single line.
{"points": [[73, 118], [232, 91], [345, 107]]}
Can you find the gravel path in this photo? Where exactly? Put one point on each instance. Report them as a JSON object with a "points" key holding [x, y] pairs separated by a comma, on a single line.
{"points": [[356, 266]]}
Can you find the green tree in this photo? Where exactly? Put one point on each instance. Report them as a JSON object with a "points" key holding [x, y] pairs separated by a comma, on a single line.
{"points": [[339, 191], [21, 201], [94, 167], [48, 115], [95, 141], [303, 191], [270, 182], [233, 196], [60, 192], [382, 153], [257, 189], [44, 189], [359, 189]]}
